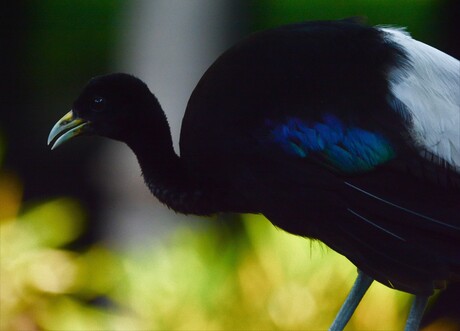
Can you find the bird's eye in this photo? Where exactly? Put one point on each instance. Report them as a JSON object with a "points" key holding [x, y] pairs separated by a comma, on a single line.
{"points": [[98, 104]]}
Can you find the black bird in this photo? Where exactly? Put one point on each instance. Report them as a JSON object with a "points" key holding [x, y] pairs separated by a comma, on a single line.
{"points": [[333, 130]]}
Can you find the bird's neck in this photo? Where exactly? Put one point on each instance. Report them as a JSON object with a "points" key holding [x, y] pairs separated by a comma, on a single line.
{"points": [[164, 171]]}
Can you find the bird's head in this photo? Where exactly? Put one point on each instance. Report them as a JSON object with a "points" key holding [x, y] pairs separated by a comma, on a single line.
{"points": [[110, 106]]}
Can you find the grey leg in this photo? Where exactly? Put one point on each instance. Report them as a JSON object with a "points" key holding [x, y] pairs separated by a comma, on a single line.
{"points": [[416, 313], [357, 292]]}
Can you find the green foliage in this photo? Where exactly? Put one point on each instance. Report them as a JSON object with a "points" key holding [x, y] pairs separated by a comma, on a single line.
{"points": [[269, 280], [70, 40], [421, 17], [257, 277]]}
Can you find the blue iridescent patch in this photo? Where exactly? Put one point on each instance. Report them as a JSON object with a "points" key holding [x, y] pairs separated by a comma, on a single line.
{"points": [[349, 149]]}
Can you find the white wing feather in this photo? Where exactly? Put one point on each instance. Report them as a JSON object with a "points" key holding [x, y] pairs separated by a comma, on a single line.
{"points": [[430, 89]]}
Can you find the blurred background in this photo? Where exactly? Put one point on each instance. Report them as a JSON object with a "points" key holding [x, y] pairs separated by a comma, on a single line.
{"points": [[84, 245]]}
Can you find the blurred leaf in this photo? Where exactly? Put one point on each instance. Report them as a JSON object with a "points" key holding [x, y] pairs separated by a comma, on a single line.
{"points": [[101, 271], [31, 268], [54, 223], [52, 271]]}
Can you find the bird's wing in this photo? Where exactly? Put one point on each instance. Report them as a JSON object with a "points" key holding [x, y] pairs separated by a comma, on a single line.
{"points": [[393, 212], [428, 87], [372, 165]]}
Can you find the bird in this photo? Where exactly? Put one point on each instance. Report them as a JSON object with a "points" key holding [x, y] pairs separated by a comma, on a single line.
{"points": [[335, 131]]}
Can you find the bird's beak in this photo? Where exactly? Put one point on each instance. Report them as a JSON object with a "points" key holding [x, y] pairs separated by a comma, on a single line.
{"points": [[69, 126]]}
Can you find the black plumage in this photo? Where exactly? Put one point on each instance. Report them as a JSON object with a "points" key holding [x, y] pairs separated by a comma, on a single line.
{"points": [[303, 124]]}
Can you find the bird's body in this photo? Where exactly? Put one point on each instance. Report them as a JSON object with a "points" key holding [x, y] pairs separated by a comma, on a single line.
{"points": [[308, 131], [332, 130]]}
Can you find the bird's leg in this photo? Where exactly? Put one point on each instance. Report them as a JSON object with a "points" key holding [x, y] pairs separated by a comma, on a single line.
{"points": [[416, 312], [357, 292]]}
